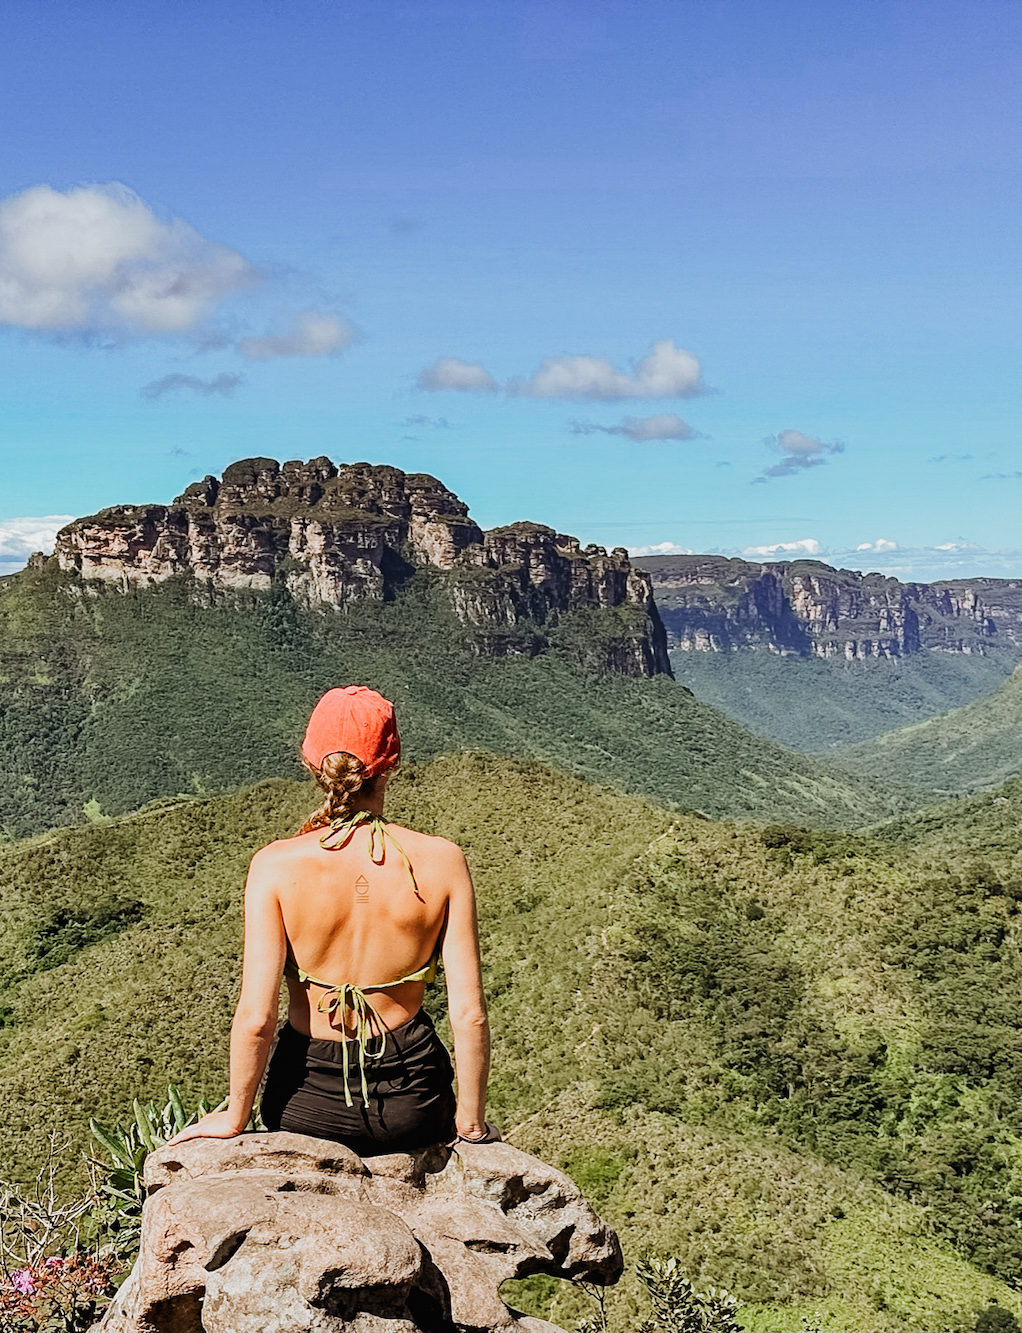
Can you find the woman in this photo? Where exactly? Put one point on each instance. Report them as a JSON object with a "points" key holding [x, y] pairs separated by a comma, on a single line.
{"points": [[355, 912]]}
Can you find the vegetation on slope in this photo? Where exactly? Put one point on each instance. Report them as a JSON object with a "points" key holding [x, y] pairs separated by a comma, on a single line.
{"points": [[814, 704], [789, 1057], [111, 699], [971, 748]]}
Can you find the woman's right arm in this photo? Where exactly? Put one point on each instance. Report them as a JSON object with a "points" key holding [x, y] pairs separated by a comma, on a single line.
{"points": [[466, 1003]]}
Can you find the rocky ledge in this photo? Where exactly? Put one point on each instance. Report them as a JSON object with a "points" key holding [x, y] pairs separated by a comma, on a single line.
{"points": [[804, 607], [279, 1233], [336, 535]]}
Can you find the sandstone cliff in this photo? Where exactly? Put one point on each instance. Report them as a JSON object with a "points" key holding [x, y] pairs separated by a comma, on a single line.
{"points": [[804, 607], [335, 535]]}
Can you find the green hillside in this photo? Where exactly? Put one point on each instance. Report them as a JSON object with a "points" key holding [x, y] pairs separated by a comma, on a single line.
{"points": [[814, 704], [971, 748], [111, 699], [790, 1058]]}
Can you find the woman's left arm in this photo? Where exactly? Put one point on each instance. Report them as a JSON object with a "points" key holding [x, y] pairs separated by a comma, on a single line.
{"points": [[255, 1019]]}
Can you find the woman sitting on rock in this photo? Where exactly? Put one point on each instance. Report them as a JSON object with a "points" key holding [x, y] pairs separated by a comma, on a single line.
{"points": [[355, 912]]}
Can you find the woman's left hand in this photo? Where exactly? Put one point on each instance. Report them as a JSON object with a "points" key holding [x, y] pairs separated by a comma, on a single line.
{"points": [[216, 1125]]}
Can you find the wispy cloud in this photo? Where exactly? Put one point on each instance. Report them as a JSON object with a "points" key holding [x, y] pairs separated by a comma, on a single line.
{"points": [[1001, 476], [951, 458], [665, 426], [96, 259], [798, 452], [449, 373], [313, 333], [433, 423], [222, 386]]}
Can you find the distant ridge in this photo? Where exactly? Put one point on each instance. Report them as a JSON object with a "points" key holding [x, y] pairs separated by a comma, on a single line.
{"points": [[807, 608]]}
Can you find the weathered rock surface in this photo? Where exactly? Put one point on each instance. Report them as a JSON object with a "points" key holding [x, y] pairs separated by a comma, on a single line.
{"points": [[279, 1233], [714, 604], [336, 535]]}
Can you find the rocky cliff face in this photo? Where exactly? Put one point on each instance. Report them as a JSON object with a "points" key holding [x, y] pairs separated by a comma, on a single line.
{"points": [[336, 535], [804, 607]]}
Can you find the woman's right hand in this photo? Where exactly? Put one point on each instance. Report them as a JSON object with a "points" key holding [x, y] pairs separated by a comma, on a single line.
{"points": [[476, 1133]]}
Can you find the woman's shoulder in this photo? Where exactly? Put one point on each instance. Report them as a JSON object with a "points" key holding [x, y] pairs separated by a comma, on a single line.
{"points": [[285, 850], [425, 844]]}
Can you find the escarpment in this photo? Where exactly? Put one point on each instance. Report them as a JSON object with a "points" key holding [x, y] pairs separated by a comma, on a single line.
{"points": [[804, 607], [334, 535]]}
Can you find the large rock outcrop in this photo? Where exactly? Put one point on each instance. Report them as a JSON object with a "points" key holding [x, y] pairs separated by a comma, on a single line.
{"points": [[279, 1233], [337, 535], [715, 604]]}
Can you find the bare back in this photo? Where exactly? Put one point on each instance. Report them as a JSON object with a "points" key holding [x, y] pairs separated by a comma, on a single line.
{"points": [[348, 918]]}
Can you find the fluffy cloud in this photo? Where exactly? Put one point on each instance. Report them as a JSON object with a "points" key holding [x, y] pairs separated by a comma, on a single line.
{"points": [[222, 386], [19, 537], [666, 371], [312, 334], [882, 545], [799, 452], [96, 259], [450, 373], [805, 546], [665, 426], [661, 548]]}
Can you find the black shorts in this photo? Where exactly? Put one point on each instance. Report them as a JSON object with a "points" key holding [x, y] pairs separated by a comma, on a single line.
{"points": [[411, 1090]]}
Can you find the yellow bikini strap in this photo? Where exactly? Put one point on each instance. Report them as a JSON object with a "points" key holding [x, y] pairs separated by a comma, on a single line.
{"points": [[367, 1024], [341, 831]]}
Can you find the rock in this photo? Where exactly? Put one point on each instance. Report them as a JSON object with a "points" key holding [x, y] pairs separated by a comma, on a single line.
{"points": [[336, 535], [807, 608], [280, 1233]]}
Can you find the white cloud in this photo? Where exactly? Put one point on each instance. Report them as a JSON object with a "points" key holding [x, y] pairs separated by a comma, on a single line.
{"points": [[19, 537], [313, 333], [666, 371], [665, 426], [881, 544], [221, 385], [661, 548], [97, 259], [452, 374], [805, 546], [798, 452]]}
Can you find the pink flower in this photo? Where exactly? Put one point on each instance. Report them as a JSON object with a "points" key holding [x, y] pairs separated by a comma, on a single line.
{"points": [[22, 1282], [54, 1261]]}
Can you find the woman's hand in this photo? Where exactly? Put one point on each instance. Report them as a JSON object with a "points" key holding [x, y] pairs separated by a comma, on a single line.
{"points": [[485, 1133], [215, 1125]]}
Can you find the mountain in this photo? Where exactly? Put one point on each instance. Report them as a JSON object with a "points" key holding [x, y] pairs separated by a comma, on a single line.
{"points": [[817, 657], [337, 536], [163, 674], [788, 1058], [966, 750]]}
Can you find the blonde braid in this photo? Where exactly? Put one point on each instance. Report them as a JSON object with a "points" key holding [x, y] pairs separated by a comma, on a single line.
{"points": [[342, 777]]}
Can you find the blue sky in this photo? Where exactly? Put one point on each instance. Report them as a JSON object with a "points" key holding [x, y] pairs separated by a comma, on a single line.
{"points": [[716, 275]]}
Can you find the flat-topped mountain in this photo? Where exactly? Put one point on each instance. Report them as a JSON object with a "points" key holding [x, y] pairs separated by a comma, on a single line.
{"points": [[809, 609], [337, 535]]}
